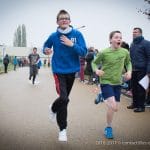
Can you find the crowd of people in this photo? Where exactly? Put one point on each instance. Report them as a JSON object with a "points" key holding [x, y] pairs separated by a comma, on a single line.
{"points": [[111, 68], [21, 61]]}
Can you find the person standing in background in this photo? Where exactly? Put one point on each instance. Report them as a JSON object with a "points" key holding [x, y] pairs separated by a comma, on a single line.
{"points": [[81, 73], [88, 69], [6, 62], [15, 62], [140, 58]]}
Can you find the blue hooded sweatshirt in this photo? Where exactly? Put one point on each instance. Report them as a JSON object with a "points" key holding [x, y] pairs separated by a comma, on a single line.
{"points": [[66, 59]]}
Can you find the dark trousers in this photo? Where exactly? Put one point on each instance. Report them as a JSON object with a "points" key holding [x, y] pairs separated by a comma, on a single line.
{"points": [[147, 101], [139, 93], [5, 68], [33, 72], [64, 83], [81, 72], [15, 67]]}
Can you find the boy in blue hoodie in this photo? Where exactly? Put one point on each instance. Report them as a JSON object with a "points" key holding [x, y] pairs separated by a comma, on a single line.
{"points": [[67, 44]]}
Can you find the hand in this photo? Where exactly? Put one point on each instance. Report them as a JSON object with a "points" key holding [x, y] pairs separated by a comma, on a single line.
{"points": [[48, 51], [64, 40], [99, 72], [127, 76]]}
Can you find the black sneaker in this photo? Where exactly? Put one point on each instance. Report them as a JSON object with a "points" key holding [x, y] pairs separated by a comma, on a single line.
{"points": [[147, 104], [138, 110], [99, 99]]}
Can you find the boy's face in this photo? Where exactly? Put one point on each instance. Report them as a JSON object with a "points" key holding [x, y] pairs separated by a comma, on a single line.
{"points": [[63, 21], [34, 51], [116, 40]]}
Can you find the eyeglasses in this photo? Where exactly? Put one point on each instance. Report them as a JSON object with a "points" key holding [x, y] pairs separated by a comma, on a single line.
{"points": [[60, 19]]}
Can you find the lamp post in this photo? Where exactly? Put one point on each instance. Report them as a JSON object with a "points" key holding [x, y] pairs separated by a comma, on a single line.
{"points": [[81, 27], [3, 50]]}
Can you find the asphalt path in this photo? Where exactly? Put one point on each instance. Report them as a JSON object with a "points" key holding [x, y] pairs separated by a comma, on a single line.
{"points": [[24, 123]]}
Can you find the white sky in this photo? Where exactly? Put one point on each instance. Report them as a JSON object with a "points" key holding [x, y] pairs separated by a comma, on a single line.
{"points": [[99, 16]]}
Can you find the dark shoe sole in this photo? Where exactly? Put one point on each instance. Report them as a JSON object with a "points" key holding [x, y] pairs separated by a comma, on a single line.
{"points": [[130, 107], [138, 111]]}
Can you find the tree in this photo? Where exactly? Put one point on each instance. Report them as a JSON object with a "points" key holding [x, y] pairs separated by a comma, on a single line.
{"points": [[20, 37], [146, 11], [24, 41], [15, 42]]}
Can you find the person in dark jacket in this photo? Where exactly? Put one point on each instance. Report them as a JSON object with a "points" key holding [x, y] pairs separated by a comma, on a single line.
{"points": [[6, 62], [88, 69], [140, 58], [127, 84]]}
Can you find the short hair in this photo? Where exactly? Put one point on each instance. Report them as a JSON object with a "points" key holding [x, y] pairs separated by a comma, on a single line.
{"points": [[62, 12], [125, 45], [112, 33], [137, 28], [34, 48]]}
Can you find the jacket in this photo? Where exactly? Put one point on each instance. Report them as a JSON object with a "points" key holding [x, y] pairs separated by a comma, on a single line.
{"points": [[66, 59], [140, 55]]}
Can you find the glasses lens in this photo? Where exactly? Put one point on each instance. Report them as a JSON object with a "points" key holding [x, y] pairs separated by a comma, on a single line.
{"points": [[64, 19]]}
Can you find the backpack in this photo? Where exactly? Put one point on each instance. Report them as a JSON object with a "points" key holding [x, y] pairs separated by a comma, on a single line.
{"points": [[5, 61]]}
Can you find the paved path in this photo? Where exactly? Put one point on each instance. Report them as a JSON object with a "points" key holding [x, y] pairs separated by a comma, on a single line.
{"points": [[24, 123]]}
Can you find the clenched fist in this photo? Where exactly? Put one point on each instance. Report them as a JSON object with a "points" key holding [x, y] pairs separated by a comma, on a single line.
{"points": [[99, 72], [48, 51]]}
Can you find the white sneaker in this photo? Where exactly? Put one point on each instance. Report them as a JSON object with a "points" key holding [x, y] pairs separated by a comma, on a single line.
{"points": [[37, 81], [52, 115], [29, 81], [62, 136]]}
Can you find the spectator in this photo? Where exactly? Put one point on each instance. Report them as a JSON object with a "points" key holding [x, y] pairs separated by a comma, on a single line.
{"points": [[45, 61], [126, 84], [82, 64], [15, 62], [140, 58], [6, 62], [88, 69]]}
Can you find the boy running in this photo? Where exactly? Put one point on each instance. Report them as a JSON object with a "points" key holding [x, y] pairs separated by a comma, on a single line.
{"points": [[112, 60], [33, 61], [68, 44]]}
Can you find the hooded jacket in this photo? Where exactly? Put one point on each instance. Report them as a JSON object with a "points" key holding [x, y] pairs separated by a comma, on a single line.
{"points": [[6, 60], [65, 59]]}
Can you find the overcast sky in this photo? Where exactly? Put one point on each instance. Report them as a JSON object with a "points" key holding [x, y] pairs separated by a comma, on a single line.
{"points": [[99, 17]]}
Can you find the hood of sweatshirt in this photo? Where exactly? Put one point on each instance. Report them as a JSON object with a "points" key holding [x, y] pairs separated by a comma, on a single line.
{"points": [[66, 31]]}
